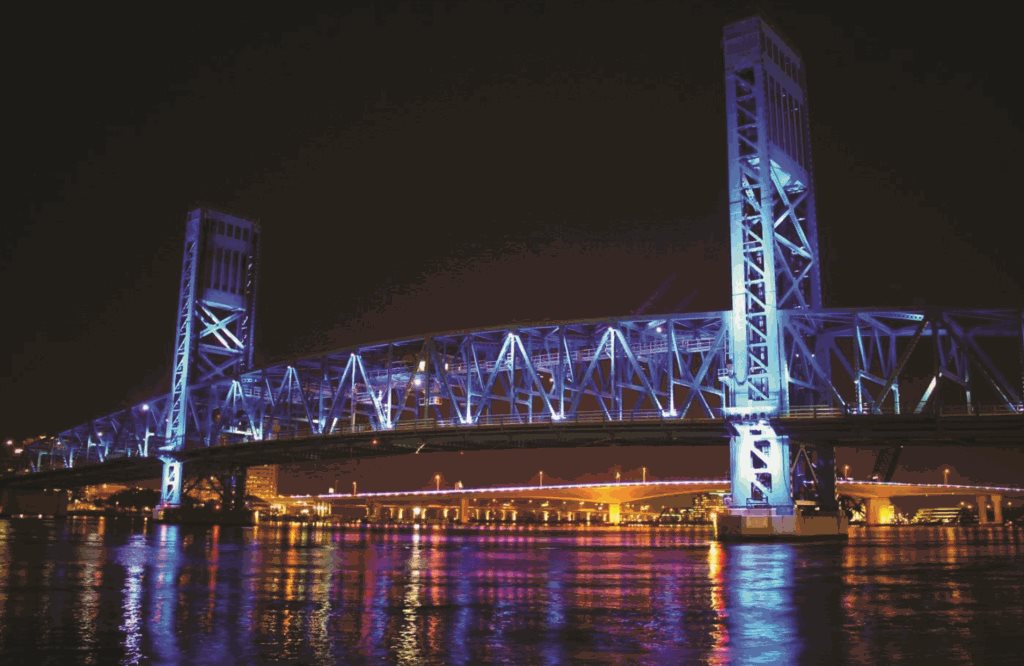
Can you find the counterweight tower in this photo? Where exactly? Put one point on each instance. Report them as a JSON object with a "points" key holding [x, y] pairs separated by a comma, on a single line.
{"points": [[774, 249], [215, 324]]}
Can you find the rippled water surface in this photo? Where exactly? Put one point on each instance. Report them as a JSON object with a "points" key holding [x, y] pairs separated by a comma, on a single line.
{"points": [[97, 591]]}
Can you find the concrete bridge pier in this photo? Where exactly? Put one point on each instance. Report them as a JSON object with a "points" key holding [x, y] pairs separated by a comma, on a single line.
{"points": [[982, 509], [464, 511], [614, 514], [997, 509], [879, 511]]}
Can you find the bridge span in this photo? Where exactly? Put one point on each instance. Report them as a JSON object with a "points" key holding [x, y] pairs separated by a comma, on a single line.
{"points": [[816, 424], [613, 495]]}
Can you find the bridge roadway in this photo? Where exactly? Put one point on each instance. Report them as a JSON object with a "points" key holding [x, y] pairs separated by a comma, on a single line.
{"points": [[877, 495], [636, 491], [812, 425]]}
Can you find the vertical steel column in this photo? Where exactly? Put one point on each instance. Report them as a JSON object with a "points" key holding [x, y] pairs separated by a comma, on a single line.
{"points": [[184, 349]]}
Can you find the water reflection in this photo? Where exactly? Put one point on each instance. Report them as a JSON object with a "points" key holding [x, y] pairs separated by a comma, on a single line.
{"points": [[89, 591]]}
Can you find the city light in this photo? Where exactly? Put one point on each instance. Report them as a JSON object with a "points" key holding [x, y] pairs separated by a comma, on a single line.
{"points": [[437, 482], [945, 475]]}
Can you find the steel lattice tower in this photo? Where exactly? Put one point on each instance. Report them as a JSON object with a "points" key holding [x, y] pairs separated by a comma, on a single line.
{"points": [[773, 235], [215, 324]]}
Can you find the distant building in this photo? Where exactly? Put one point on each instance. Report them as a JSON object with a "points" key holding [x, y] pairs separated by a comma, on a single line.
{"points": [[938, 515], [707, 504], [262, 482], [102, 491]]}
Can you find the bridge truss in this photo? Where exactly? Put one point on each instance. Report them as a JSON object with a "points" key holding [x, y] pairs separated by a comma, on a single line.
{"points": [[836, 362]]}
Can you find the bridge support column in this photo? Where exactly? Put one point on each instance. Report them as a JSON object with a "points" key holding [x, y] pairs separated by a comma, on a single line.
{"points": [[997, 509], [614, 514], [759, 468], [762, 504], [879, 511], [982, 509], [170, 486]]}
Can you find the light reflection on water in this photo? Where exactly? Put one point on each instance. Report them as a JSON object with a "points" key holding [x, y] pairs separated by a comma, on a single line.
{"points": [[118, 591]]}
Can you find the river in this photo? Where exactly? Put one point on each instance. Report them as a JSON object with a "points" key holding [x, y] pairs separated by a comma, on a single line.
{"points": [[127, 591]]}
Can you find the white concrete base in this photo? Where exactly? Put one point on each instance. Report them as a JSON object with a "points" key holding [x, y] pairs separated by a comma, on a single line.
{"points": [[758, 524]]}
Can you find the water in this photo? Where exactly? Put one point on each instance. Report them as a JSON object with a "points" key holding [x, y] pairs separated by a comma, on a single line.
{"points": [[96, 591]]}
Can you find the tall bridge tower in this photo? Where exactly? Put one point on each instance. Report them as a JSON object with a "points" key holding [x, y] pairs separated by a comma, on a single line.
{"points": [[774, 248], [215, 325]]}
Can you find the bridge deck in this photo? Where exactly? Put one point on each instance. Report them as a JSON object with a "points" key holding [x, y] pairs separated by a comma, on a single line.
{"points": [[433, 436]]}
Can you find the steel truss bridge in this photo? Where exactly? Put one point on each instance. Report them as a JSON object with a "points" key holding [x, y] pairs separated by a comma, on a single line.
{"points": [[880, 376], [777, 365]]}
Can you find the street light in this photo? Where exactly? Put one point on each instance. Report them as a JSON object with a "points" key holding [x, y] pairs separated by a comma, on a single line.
{"points": [[618, 476], [541, 478], [643, 472], [846, 471], [945, 476], [437, 482], [354, 488]]}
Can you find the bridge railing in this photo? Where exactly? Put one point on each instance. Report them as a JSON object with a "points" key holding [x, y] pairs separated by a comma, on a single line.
{"points": [[981, 410], [813, 412]]}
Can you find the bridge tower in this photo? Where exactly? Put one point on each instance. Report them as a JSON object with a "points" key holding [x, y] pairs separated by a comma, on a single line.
{"points": [[774, 250], [215, 324]]}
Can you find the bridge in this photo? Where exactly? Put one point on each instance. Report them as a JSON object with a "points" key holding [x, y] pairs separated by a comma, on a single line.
{"points": [[613, 496], [779, 377]]}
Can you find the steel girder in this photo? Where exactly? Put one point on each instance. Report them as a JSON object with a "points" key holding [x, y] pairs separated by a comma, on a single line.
{"points": [[851, 361]]}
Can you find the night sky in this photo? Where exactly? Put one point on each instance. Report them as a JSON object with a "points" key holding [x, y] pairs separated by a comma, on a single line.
{"points": [[421, 167]]}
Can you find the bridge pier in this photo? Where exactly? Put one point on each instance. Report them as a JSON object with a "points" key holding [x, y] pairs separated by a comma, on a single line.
{"points": [[997, 509], [614, 514], [982, 509], [170, 486], [879, 511]]}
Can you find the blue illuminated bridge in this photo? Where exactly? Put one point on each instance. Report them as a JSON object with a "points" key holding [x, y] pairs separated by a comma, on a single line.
{"points": [[778, 377]]}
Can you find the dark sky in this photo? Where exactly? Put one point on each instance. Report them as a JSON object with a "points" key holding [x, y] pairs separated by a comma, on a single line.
{"points": [[421, 167]]}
